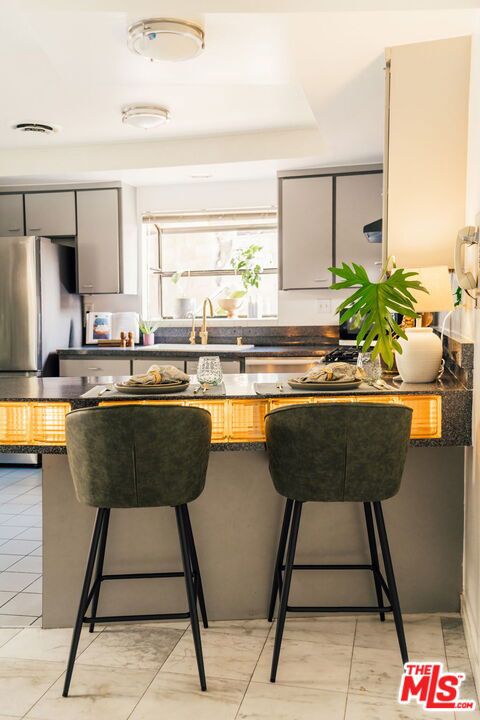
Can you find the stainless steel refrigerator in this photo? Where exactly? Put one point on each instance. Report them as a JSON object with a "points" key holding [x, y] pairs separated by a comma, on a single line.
{"points": [[39, 308]]}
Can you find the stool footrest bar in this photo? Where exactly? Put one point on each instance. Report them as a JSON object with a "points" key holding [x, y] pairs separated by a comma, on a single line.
{"points": [[140, 576], [136, 618], [331, 567], [338, 608]]}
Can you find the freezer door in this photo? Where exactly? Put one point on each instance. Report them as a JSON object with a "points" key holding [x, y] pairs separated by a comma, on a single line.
{"points": [[19, 304]]}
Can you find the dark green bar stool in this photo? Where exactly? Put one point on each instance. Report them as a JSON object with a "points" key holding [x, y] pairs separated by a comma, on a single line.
{"points": [[336, 452], [134, 456]]}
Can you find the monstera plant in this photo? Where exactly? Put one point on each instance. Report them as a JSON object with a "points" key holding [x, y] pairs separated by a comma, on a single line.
{"points": [[375, 304]]}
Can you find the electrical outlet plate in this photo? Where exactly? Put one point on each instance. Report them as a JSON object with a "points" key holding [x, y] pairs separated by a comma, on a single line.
{"points": [[324, 306]]}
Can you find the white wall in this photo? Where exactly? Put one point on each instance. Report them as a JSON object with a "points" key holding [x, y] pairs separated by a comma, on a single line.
{"points": [[294, 307], [468, 322]]}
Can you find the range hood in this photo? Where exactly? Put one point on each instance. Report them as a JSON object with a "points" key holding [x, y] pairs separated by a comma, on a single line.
{"points": [[373, 231]]}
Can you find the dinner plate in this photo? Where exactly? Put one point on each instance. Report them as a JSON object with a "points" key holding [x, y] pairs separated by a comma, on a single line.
{"points": [[325, 385], [162, 389]]}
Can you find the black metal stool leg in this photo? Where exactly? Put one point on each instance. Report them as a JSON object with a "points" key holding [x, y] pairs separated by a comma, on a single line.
{"points": [[374, 556], [292, 544], [277, 573], [195, 566], [392, 585], [82, 608], [192, 601], [99, 568]]}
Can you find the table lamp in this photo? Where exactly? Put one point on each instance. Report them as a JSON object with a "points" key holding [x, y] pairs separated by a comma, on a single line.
{"points": [[421, 357]]}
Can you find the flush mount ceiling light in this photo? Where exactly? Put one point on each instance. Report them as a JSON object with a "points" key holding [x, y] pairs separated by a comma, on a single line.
{"points": [[145, 116], [164, 39], [40, 128]]}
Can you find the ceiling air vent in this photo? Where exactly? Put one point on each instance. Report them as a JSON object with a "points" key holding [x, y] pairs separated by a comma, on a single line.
{"points": [[35, 128]]}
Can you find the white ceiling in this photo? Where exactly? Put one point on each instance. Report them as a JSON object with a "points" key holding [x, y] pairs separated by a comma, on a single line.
{"points": [[271, 88]]}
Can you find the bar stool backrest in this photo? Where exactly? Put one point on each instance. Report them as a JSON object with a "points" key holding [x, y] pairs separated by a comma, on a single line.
{"points": [[138, 455], [337, 451]]}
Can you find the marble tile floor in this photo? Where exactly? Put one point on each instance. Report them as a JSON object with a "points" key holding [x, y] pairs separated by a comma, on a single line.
{"points": [[330, 669], [20, 547]]}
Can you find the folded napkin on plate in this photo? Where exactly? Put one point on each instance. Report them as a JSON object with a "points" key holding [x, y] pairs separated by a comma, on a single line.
{"points": [[332, 372], [157, 375]]}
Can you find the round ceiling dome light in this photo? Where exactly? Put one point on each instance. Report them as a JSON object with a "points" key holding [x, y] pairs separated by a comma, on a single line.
{"points": [[145, 116], [40, 128], [164, 39]]}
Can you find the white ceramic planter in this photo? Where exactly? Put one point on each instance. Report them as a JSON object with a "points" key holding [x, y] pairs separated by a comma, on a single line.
{"points": [[421, 359]]}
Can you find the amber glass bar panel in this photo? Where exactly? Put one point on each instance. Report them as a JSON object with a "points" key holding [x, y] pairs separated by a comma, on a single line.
{"points": [[242, 420]]}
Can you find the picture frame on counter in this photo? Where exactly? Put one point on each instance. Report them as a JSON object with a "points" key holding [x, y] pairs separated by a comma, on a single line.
{"points": [[108, 326]]}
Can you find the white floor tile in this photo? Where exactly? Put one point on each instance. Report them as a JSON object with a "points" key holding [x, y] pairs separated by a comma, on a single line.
{"points": [[306, 664], [7, 634], [23, 682], [16, 581], [7, 532], [20, 521], [231, 657], [423, 634], [30, 563], [259, 628], [35, 587], [267, 701], [5, 596], [23, 603], [95, 694], [31, 534], [129, 646], [16, 621], [327, 631], [179, 697], [378, 708], [49, 645], [19, 547], [7, 560]]}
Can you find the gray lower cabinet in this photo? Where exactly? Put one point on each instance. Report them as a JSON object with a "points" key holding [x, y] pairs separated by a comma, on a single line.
{"points": [[141, 366], [11, 215], [92, 367], [305, 232], [51, 214], [358, 202]]}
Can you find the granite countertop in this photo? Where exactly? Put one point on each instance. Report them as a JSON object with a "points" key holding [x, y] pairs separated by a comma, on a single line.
{"points": [[456, 401], [165, 350]]}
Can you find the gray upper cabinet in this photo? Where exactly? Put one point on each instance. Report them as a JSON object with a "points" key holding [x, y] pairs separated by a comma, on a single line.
{"points": [[358, 202], [11, 215], [305, 226], [98, 241], [50, 214]]}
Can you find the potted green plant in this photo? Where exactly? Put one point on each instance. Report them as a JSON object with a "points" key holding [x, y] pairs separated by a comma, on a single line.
{"points": [[244, 263], [147, 328], [375, 304]]}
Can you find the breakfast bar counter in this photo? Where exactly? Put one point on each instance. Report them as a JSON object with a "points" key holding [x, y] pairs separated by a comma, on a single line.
{"points": [[237, 519]]}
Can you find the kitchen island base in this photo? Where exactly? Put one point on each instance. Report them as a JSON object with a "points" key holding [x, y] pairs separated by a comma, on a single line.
{"points": [[236, 523]]}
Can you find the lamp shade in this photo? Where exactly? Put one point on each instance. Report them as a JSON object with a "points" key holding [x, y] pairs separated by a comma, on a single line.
{"points": [[436, 280]]}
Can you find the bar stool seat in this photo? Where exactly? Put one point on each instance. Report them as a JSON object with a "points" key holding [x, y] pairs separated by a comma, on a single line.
{"points": [[132, 456], [334, 452]]}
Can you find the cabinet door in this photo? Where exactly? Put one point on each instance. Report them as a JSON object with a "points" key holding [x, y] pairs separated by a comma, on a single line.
{"points": [[358, 202], [141, 366], [306, 232], [94, 367], [98, 258], [11, 215], [51, 214]]}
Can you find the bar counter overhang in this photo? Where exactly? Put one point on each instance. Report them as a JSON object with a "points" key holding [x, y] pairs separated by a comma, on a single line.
{"points": [[237, 519]]}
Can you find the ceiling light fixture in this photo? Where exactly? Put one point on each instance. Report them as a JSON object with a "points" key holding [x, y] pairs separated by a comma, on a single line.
{"points": [[40, 128], [165, 39], [145, 116]]}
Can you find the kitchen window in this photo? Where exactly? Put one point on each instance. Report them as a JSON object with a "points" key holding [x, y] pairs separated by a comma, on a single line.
{"points": [[221, 254]]}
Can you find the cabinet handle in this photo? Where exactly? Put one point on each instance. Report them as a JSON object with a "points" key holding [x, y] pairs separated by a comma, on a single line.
{"points": [[14, 230], [95, 368], [321, 280], [34, 229], [86, 285]]}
